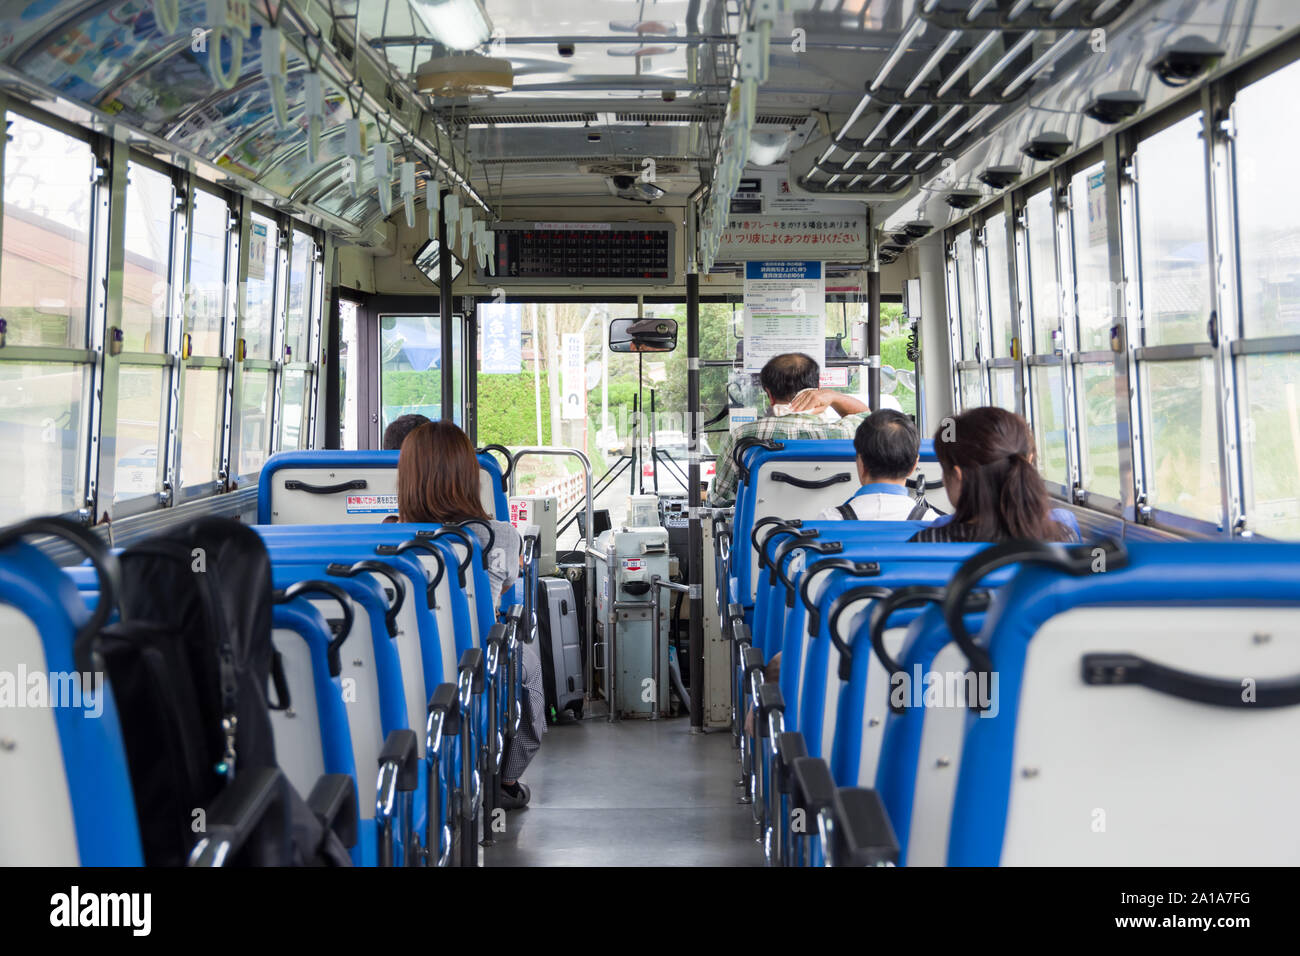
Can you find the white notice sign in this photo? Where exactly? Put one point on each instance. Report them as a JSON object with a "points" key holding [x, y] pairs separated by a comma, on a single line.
{"points": [[573, 378], [785, 311]]}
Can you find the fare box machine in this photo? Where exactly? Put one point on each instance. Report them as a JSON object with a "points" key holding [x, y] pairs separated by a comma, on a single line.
{"points": [[632, 601]]}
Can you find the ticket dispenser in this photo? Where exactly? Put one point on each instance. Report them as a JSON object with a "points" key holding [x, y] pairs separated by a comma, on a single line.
{"points": [[626, 619]]}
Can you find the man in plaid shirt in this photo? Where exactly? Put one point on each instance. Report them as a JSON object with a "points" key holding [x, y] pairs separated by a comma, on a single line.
{"points": [[791, 384]]}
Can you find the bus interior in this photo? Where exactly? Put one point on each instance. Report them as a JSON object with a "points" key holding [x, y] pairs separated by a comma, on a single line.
{"points": [[240, 239]]}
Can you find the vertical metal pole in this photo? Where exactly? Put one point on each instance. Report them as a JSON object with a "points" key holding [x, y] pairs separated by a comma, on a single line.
{"points": [[695, 540], [331, 367], [469, 358], [446, 363], [873, 323]]}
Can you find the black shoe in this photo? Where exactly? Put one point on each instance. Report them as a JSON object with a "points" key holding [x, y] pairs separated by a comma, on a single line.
{"points": [[513, 798]]}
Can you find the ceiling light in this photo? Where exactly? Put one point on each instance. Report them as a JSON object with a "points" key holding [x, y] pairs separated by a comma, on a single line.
{"points": [[465, 75], [999, 177], [1189, 56], [1047, 147], [1115, 107], [456, 24], [768, 148], [963, 198]]}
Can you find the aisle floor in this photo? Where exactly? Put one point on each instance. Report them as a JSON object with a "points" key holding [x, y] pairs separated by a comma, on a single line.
{"points": [[632, 793]]}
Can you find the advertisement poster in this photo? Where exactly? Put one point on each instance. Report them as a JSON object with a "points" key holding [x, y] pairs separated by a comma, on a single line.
{"points": [[502, 325], [785, 311], [257, 251], [573, 378]]}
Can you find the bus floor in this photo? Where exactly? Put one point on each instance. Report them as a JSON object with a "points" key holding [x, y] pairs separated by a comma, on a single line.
{"points": [[630, 793]]}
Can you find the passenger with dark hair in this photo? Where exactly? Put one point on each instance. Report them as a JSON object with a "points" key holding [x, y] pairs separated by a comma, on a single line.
{"points": [[987, 457], [790, 382], [888, 447], [438, 483], [399, 428]]}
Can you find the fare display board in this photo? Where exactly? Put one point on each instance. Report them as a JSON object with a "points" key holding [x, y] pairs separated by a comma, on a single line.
{"points": [[589, 252]]}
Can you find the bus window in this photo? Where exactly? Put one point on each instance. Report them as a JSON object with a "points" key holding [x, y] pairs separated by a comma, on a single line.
{"points": [[966, 298], [1002, 323], [411, 367], [1178, 391], [204, 381], [45, 276], [1046, 380], [1266, 215], [1095, 375], [1048, 385], [1268, 372], [47, 241], [143, 385]]}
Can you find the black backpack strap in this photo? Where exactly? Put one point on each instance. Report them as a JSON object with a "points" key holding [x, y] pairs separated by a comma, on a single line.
{"points": [[846, 511], [919, 509]]}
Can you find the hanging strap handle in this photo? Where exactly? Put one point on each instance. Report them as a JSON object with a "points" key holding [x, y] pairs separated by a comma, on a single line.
{"points": [[332, 590], [486, 549], [510, 462], [743, 445], [858, 569], [838, 607], [377, 567]]}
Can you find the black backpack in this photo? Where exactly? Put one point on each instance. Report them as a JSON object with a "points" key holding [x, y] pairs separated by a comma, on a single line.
{"points": [[189, 662]]}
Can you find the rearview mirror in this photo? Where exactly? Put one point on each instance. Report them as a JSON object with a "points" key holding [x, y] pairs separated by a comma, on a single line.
{"points": [[642, 335]]}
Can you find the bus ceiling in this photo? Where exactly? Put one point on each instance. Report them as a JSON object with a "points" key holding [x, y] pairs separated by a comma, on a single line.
{"points": [[351, 114]]}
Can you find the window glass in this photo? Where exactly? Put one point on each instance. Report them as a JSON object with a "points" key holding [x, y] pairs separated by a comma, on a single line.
{"points": [[1182, 437], [257, 391], [201, 425], [1270, 437], [140, 408], [966, 295], [259, 310], [1048, 385], [1003, 384], [150, 201], [1091, 258], [722, 328], [1268, 213], [972, 396], [410, 347], [292, 433], [41, 409], [1099, 448], [299, 302], [206, 307], [1044, 298], [45, 257], [1173, 235], [1001, 321]]}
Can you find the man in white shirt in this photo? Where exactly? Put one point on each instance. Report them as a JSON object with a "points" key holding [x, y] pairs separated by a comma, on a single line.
{"points": [[888, 447]]}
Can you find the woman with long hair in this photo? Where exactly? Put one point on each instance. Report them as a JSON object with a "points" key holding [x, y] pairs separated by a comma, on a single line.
{"points": [[987, 457], [438, 483]]}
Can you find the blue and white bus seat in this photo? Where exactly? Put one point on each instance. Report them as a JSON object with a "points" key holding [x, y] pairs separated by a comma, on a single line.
{"points": [[65, 788], [350, 487], [371, 677], [1137, 705]]}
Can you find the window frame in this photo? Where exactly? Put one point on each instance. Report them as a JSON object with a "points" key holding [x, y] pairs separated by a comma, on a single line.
{"points": [[1144, 357], [88, 356]]}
